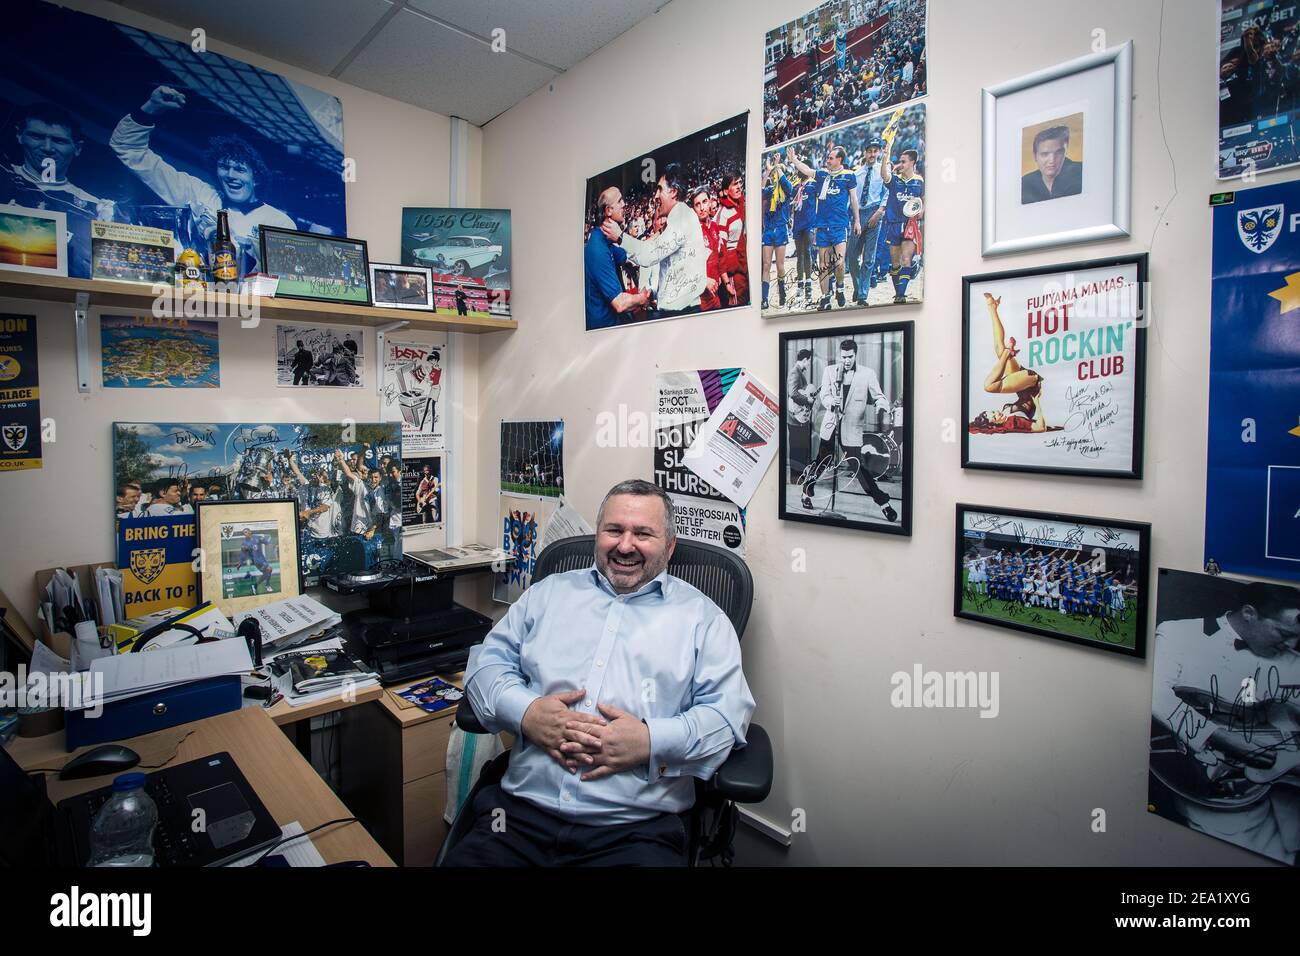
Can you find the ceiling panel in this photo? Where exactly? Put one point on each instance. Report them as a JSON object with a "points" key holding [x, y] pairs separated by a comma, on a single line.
{"points": [[314, 35], [557, 32], [417, 61]]}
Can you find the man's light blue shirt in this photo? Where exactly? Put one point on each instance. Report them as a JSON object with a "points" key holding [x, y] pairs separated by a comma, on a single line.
{"points": [[871, 188], [664, 653]]}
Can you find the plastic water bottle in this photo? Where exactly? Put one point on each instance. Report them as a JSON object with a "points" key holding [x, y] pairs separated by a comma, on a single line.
{"points": [[122, 831]]}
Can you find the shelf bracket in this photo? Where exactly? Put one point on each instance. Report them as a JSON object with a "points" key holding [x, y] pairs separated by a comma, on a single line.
{"points": [[83, 342], [381, 352]]}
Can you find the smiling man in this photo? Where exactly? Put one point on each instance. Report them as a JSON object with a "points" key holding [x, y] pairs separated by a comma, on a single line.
{"points": [[620, 683]]}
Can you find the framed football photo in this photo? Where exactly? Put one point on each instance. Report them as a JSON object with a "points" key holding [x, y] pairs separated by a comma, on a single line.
{"points": [[846, 447], [1081, 580], [1054, 369]]}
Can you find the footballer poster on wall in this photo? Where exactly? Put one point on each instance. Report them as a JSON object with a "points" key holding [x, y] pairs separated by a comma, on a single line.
{"points": [[1224, 749], [1252, 489], [127, 126], [411, 394], [468, 252], [523, 521], [1259, 88], [844, 217], [532, 457], [1082, 580], [664, 233], [841, 60], [1053, 368], [347, 480], [684, 402]]}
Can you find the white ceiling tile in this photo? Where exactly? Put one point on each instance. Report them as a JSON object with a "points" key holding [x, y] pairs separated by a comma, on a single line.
{"points": [[417, 61]]}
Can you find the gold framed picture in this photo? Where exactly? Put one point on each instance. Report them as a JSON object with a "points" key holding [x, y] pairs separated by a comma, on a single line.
{"points": [[250, 552]]}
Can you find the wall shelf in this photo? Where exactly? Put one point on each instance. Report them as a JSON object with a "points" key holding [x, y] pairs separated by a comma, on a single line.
{"points": [[139, 296]]}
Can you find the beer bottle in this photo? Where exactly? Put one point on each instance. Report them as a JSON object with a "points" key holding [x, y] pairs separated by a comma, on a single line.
{"points": [[225, 257]]}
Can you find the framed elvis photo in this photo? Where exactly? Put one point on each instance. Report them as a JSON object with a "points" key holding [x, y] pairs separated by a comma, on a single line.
{"points": [[1082, 580], [250, 552], [846, 443], [313, 266], [1057, 147], [1054, 369]]}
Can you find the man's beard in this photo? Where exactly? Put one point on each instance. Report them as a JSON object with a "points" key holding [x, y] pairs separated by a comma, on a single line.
{"points": [[645, 570]]}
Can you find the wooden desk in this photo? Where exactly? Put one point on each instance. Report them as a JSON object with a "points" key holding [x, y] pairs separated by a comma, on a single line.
{"points": [[287, 784], [298, 719]]}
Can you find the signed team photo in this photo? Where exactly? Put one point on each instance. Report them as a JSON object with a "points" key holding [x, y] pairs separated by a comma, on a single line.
{"points": [[1082, 580], [1054, 369], [664, 233], [846, 452]]}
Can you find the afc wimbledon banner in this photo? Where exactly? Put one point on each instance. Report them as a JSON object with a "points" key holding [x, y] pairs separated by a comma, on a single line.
{"points": [[683, 403], [1252, 493]]}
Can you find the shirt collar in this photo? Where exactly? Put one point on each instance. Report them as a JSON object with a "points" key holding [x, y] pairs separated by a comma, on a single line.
{"points": [[660, 583]]}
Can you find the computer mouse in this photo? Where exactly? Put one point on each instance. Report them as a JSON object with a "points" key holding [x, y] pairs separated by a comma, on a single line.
{"points": [[109, 758]]}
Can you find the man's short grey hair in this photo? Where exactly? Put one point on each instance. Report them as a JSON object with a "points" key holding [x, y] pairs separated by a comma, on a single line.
{"points": [[642, 488]]}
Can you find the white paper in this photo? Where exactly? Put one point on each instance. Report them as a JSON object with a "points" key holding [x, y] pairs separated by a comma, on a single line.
{"points": [[129, 675], [45, 661], [736, 445], [297, 853], [566, 522], [290, 617]]}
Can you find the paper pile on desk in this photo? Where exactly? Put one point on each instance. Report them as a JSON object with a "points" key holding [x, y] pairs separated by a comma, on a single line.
{"points": [[291, 621], [130, 675], [318, 672]]}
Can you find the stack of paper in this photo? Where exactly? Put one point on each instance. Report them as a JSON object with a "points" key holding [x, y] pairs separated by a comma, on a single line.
{"points": [[319, 671], [291, 621], [130, 675]]}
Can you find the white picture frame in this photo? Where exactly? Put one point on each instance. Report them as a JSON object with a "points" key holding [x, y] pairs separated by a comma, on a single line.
{"points": [[379, 289], [1087, 100], [13, 219]]}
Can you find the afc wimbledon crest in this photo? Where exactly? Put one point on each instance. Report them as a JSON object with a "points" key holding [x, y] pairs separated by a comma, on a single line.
{"points": [[148, 563], [1259, 228], [15, 437]]}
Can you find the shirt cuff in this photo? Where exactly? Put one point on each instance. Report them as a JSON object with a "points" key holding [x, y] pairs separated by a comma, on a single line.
{"points": [[667, 745], [510, 707]]}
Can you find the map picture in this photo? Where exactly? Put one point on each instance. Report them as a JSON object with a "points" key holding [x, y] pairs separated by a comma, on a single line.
{"points": [[145, 352]]}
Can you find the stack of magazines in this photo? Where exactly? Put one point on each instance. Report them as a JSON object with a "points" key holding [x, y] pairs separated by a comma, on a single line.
{"points": [[318, 671]]}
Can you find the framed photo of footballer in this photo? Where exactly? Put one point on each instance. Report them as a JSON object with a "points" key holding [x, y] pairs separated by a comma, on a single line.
{"points": [[313, 266], [402, 287], [1081, 580], [1057, 154], [843, 216], [1054, 369], [250, 552], [846, 442]]}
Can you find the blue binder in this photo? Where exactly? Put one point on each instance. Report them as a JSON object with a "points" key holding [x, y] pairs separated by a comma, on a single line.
{"points": [[155, 711]]}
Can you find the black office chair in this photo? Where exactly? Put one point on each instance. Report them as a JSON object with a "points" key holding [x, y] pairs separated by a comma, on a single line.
{"points": [[745, 776]]}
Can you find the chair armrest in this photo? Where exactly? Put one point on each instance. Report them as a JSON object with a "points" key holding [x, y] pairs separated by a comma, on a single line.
{"points": [[746, 776], [466, 719]]}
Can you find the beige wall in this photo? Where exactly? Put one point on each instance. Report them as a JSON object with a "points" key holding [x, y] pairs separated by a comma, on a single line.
{"points": [[881, 785], [62, 513]]}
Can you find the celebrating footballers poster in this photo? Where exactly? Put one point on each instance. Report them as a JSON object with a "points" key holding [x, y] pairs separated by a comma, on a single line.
{"points": [[107, 121], [1224, 748], [1252, 489], [411, 391], [468, 251], [683, 402], [140, 351], [347, 480], [1259, 86], [1053, 368], [844, 217], [841, 60], [664, 233]]}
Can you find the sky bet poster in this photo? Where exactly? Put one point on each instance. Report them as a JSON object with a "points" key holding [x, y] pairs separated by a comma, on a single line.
{"points": [[1252, 506], [20, 394]]}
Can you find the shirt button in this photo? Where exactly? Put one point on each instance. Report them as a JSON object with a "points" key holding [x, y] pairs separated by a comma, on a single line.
{"points": [[600, 663], [565, 796], [587, 702]]}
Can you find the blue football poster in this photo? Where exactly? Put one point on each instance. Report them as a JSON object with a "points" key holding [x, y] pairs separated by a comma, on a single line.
{"points": [[1252, 507]]}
